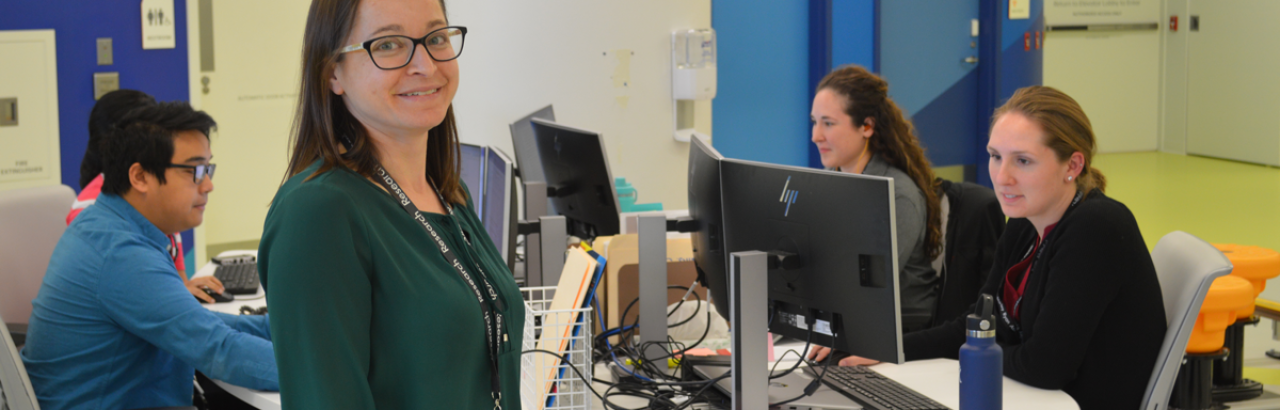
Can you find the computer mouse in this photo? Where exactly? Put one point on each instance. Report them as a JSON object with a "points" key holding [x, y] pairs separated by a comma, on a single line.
{"points": [[217, 297]]}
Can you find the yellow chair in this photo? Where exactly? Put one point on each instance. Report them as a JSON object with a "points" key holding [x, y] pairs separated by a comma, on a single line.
{"points": [[1256, 265], [1228, 296], [1253, 263]]}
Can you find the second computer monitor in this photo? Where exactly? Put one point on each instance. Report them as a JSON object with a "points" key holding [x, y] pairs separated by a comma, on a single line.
{"points": [[471, 168], [527, 147], [579, 183], [497, 213], [704, 208], [841, 229]]}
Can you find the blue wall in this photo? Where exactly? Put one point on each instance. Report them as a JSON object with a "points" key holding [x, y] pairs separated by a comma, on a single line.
{"points": [[840, 32], [762, 98], [771, 55], [765, 86], [77, 25], [853, 32], [1010, 67]]}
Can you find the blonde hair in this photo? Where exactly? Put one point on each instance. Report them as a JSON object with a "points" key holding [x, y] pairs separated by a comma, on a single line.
{"points": [[1066, 128]]}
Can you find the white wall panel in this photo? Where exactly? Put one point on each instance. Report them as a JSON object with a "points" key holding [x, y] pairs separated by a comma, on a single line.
{"points": [[1232, 93]]}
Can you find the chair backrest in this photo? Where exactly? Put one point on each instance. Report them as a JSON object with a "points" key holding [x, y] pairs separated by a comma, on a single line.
{"points": [[31, 221], [1186, 266], [17, 391], [973, 226]]}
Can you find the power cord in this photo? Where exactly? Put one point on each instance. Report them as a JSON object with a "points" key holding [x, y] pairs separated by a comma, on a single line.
{"points": [[808, 338], [648, 380], [817, 382], [565, 359]]}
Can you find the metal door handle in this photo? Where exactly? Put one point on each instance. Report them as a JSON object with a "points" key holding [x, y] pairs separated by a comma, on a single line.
{"points": [[971, 60]]}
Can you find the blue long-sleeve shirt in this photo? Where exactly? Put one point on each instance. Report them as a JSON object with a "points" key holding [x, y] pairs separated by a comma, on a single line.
{"points": [[113, 327]]}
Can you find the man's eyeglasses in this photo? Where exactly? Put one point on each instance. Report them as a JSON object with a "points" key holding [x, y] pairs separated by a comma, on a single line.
{"points": [[392, 52], [201, 171]]}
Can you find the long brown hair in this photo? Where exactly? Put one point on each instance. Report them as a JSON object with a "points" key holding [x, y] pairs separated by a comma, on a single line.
{"points": [[866, 96], [323, 120], [1066, 128]]}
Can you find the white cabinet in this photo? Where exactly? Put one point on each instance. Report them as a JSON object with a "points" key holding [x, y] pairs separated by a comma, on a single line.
{"points": [[29, 138]]}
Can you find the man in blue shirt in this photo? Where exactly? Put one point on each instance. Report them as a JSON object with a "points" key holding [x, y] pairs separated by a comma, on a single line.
{"points": [[113, 327]]}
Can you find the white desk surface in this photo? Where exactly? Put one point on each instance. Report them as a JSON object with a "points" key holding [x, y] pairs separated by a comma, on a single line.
{"points": [[939, 378], [259, 399]]}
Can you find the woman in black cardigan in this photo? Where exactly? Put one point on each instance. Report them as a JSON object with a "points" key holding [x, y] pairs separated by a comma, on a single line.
{"points": [[1079, 310]]}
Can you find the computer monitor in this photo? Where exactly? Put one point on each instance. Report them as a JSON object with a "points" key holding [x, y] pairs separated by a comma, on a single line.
{"points": [[471, 168], [704, 209], [840, 228], [497, 213], [579, 184], [527, 160]]}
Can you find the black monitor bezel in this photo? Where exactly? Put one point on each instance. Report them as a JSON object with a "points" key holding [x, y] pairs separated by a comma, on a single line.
{"points": [[587, 216], [870, 324]]}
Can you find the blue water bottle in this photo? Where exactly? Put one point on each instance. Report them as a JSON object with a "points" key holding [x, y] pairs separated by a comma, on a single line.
{"points": [[981, 361]]}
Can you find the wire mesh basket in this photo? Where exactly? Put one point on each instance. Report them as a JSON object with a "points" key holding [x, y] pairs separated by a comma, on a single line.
{"points": [[546, 382]]}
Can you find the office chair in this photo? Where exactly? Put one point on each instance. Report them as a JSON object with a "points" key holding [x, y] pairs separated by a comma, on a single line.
{"points": [[31, 221], [15, 387], [1186, 267], [973, 223]]}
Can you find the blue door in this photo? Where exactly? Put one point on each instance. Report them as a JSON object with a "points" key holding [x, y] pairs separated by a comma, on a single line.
{"points": [[928, 52]]}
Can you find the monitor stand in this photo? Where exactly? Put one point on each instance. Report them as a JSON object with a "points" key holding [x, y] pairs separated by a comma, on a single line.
{"points": [[651, 233], [545, 242], [652, 238], [748, 306], [535, 207]]}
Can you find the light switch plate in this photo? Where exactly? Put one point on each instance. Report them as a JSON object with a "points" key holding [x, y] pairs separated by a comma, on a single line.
{"points": [[104, 83], [8, 111], [105, 54]]}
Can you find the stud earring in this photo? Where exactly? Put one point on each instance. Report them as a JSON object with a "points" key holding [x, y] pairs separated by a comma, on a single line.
{"points": [[1069, 178]]}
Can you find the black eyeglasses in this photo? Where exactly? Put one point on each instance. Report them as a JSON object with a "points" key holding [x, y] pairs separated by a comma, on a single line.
{"points": [[201, 171], [392, 52]]}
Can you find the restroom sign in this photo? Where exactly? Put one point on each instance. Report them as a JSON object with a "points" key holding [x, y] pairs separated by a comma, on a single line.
{"points": [[158, 22]]}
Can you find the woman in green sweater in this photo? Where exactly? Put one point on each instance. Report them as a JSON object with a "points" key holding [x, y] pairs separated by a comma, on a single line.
{"points": [[386, 291]]}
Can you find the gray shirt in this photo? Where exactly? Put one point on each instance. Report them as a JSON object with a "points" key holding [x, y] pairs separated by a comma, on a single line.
{"points": [[917, 280]]}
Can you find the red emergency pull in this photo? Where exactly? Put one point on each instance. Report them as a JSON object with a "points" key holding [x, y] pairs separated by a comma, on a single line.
{"points": [[1039, 40], [1026, 41], [1173, 23]]}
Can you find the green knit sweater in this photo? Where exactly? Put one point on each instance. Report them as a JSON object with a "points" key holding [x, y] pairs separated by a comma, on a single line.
{"points": [[366, 312]]}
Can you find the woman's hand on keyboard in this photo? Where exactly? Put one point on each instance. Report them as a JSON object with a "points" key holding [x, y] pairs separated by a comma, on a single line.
{"points": [[818, 353]]}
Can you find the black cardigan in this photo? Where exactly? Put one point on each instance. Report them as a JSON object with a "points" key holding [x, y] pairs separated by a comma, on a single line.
{"points": [[1092, 316]]}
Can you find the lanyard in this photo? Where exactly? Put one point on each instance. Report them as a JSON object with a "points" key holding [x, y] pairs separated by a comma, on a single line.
{"points": [[1038, 247], [492, 320]]}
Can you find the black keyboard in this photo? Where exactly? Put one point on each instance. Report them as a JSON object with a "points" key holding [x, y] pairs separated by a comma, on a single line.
{"points": [[238, 278], [873, 390]]}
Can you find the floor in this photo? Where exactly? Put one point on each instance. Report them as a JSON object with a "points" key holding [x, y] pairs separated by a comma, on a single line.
{"points": [[1219, 201]]}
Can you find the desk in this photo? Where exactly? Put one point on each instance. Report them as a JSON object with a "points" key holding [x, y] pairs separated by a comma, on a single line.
{"points": [[259, 399], [939, 379]]}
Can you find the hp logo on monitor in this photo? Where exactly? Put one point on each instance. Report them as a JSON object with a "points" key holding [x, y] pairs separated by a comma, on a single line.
{"points": [[788, 196]]}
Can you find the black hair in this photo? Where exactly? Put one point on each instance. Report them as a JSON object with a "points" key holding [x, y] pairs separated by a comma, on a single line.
{"points": [[145, 137], [106, 116]]}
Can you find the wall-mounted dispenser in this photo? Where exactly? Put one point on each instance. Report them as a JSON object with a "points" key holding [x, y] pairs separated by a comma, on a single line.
{"points": [[693, 76]]}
